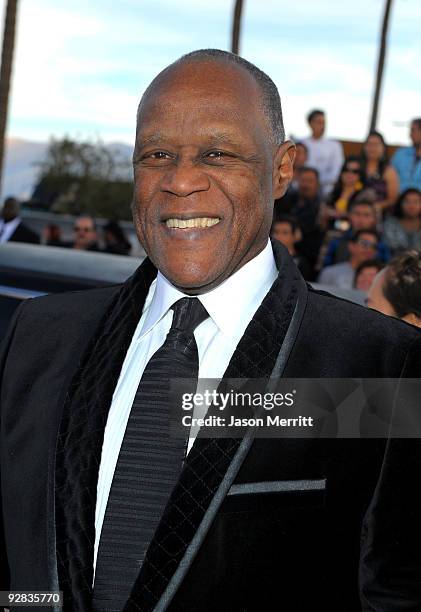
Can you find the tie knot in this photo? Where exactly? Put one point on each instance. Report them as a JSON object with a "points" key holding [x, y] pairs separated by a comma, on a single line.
{"points": [[188, 314]]}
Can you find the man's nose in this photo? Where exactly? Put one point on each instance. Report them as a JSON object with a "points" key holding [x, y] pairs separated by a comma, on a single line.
{"points": [[185, 178]]}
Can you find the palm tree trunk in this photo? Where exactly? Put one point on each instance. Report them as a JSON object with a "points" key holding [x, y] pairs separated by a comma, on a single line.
{"points": [[380, 65], [236, 27], [6, 72]]}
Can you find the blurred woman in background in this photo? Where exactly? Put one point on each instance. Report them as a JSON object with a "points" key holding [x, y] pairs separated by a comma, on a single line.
{"points": [[349, 184], [403, 230], [380, 176]]}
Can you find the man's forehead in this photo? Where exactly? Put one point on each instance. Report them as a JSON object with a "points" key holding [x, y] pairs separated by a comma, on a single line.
{"points": [[207, 109], [198, 82], [203, 72]]}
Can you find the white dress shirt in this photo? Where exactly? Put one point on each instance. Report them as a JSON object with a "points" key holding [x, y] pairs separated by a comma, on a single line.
{"points": [[230, 306], [8, 228], [327, 157]]}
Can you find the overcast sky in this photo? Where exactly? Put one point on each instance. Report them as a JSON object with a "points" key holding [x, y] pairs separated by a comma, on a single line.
{"points": [[81, 67]]}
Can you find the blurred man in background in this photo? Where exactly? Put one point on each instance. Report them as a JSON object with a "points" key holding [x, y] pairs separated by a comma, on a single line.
{"points": [[407, 160], [362, 246], [362, 216], [324, 154], [12, 229], [85, 234], [304, 205], [286, 230]]}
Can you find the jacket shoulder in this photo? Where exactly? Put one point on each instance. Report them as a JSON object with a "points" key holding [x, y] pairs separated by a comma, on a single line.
{"points": [[340, 339], [344, 314], [72, 304]]}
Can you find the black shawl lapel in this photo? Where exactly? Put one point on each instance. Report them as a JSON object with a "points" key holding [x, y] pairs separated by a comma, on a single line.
{"points": [[212, 465], [80, 438]]}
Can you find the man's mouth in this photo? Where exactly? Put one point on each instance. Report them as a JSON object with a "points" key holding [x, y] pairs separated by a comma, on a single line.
{"points": [[194, 222]]}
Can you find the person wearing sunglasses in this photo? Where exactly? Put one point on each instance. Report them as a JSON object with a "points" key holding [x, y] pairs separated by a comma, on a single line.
{"points": [[348, 186], [85, 234], [362, 247]]}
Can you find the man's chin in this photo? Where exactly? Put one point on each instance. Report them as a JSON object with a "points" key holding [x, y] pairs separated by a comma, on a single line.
{"points": [[193, 281]]}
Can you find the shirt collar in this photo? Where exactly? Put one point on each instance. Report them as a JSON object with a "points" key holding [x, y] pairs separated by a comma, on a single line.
{"points": [[13, 223], [247, 288]]}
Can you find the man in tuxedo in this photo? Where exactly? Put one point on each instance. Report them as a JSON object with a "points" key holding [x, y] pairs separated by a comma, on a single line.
{"points": [[99, 501], [12, 229]]}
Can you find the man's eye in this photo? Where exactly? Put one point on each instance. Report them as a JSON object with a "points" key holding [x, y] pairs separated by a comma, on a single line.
{"points": [[158, 155], [216, 154]]}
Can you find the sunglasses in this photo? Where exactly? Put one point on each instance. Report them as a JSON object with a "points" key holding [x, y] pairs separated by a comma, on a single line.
{"points": [[367, 244], [77, 228], [353, 170]]}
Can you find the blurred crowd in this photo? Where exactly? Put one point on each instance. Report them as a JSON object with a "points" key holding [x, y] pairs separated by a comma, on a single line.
{"points": [[343, 219], [351, 222], [86, 235]]}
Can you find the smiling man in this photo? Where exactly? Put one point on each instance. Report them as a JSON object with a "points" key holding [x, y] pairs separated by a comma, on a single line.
{"points": [[99, 500]]}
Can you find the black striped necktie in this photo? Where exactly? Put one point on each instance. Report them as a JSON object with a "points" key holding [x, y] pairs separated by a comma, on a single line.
{"points": [[149, 462]]}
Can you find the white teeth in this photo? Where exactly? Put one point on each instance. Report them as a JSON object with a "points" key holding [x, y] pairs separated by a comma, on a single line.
{"points": [[196, 222]]}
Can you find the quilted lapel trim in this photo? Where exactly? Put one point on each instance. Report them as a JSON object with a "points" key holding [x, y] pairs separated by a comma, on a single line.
{"points": [[80, 437], [212, 465]]}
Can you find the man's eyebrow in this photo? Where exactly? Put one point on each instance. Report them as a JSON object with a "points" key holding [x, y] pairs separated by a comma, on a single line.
{"points": [[208, 138], [149, 139], [221, 137]]}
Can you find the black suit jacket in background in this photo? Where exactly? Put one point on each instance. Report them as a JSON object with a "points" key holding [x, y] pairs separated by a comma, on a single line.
{"points": [[223, 543], [23, 234]]}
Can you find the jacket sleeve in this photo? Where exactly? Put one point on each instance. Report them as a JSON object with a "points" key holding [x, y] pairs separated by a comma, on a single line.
{"points": [[4, 349], [390, 563]]}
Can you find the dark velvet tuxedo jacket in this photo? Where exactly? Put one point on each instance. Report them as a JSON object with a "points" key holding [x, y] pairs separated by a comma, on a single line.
{"points": [[252, 524]]}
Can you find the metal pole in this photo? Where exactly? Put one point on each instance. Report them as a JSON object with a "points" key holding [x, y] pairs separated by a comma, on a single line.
{"points": [[6, 72], [236, 27], [380, 65]]}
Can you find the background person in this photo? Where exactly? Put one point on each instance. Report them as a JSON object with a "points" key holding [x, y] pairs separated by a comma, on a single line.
{"points": [[12, 228], [115, 239], [304, 205], [323, 154], [52, 235], [286, 230], [396, 290], [362, 216], [347, 187], [379, 174], [402, 230], [407, 160], [366, 273], [85, 234], [362, 247]]}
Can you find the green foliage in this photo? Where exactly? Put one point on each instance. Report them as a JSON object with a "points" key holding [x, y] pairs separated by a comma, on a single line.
{"points": [[85, 177]]}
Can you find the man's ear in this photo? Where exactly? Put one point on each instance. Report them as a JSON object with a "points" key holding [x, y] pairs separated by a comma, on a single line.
{"points": [[283, 168]]}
